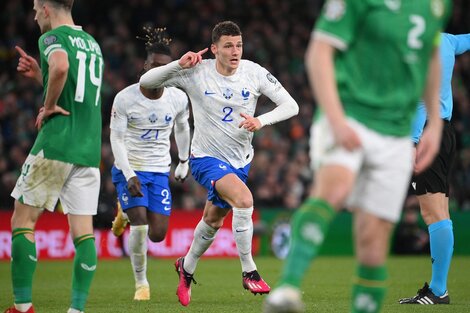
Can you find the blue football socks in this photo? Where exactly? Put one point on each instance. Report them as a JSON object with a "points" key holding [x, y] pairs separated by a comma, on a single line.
{"points": [[441, 238]]}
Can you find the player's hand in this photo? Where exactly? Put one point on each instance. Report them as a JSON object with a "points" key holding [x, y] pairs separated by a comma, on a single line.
{"points": [[190, 59], [181, 171], [46, 113], [346, 137], [27, 65], [39, 119], [134, 187], [250, 123], [428, 146]]}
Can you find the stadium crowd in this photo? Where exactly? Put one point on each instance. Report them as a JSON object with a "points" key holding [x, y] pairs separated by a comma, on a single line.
{"points": [[275, 35]]}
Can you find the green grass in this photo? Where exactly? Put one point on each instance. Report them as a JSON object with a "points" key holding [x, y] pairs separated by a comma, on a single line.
{"points": [[326, 287]]}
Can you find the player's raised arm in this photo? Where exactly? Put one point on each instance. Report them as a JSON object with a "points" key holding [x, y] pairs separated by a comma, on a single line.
{"points": [[28, 66], [156, 77], [191, 59]]}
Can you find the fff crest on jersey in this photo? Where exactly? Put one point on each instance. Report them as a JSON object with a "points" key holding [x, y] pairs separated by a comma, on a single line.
{"points": [[228, 93], [245, 94], [153, 118], [168, 118]]}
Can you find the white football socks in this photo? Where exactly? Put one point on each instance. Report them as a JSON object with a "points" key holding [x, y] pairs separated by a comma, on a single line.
{"points": [[138, 253], [242, 227], [204, 235]]}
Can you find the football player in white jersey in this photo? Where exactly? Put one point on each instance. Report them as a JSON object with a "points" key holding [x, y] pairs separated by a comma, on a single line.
{"points": [[223, 92], [142, 120]]}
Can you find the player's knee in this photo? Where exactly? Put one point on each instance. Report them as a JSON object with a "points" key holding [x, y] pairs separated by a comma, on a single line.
{"points": [[333, 198], [214, 221], [157, 236], [245, 201], [23, 219]]}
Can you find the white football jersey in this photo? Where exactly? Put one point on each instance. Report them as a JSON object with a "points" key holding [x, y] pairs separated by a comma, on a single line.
{"points": [[147, 125], [217, 102]]}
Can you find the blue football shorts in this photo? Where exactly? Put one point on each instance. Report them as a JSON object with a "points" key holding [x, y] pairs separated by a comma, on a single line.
{"points": [[155, 187], [207, 171]]}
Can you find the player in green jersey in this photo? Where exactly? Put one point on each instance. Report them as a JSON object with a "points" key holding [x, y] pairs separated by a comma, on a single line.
{"points": [[63, 163], [368, 63]]}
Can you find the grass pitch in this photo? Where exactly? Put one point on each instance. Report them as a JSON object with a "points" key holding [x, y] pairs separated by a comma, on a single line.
{"points": [[326, 286]]}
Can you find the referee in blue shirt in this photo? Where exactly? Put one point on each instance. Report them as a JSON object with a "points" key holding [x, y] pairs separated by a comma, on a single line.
{"points": [[432, 186]]}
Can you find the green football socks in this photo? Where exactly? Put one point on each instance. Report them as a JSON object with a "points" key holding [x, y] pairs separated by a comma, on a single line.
{"points": [[84, 266], [309, 226], [23, 264], [369, 289]]}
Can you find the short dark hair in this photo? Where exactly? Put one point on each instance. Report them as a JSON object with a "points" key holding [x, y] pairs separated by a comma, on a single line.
{"points": [[62, 4], [225, 28], [156, 40]]}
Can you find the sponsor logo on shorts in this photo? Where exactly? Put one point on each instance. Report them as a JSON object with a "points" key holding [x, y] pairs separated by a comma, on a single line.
{"points": [[125, 198]]}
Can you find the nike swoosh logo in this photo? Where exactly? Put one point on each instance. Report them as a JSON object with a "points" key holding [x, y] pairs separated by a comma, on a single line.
{"points": [[88, 268], [205, 238], [208, 93], [32, 258], [167, 208], [241, 230]]}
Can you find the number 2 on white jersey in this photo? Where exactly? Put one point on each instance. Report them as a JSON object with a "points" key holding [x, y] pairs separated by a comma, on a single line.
{"points": [[227, 111]]}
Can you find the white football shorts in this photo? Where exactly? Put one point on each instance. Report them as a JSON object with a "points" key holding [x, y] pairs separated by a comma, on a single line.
{"points": [[43, 182], [383, 166]]}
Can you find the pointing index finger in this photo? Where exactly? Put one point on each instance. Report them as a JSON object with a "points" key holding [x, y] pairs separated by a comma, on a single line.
{"points": [[201, 52], [21, 51]]}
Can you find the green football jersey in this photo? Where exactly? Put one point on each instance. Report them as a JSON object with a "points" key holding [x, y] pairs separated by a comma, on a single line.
{"points": [[384, 51], [75, 138]]}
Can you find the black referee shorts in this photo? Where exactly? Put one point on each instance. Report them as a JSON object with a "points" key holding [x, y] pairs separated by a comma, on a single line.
{"points": [[436, 178]]}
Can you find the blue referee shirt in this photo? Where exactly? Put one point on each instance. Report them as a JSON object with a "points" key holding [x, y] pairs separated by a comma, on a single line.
{"points": [[451, 45]]}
